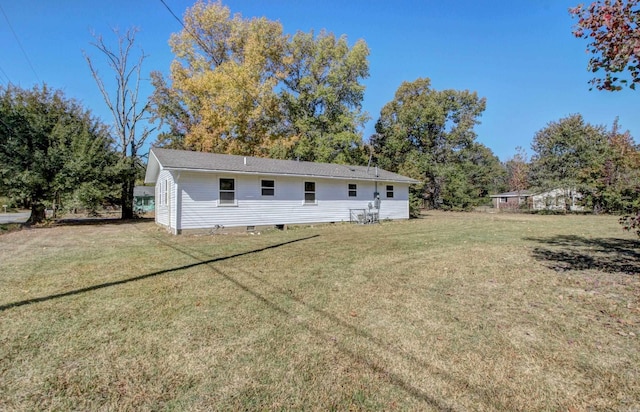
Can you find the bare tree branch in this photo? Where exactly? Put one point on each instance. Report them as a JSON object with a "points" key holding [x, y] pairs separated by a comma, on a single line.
{"points": [[124, 104]]}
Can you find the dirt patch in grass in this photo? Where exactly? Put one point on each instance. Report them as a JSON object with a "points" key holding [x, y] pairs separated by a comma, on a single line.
{"points": [[452, 311]]}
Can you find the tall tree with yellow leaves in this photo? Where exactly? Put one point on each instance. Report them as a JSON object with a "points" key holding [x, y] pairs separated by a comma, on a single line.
{"points": [[242, 86], [224, 76]]}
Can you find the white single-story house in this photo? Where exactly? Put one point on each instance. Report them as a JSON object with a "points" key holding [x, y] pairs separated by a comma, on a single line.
{"points": [[555, 199], [558, 199], [206, 191]]}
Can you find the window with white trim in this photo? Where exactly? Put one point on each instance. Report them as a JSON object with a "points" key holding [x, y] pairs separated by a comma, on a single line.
{"points": [[227, 191], [162, 193], [309, 192], [268, 187], [389, 191], [353, 190]]}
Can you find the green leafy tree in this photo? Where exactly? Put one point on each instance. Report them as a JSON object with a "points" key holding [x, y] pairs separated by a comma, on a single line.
{"points": [[322, 97], [563, 150], [483, 171], [613, 185], [50, 148], [472, 174], [564, 153], [90, 174], [613, 29], [428, 135]]}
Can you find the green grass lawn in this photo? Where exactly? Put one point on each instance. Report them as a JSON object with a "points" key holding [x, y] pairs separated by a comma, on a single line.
{"points": [[448, 312]]}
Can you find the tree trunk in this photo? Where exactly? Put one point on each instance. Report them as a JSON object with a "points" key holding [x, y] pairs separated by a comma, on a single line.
{"points": [[129, 183], [127, 197], [37, 213]]}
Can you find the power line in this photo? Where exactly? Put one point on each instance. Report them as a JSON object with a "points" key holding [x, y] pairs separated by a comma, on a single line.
{"points": [[173, 14], [195, 37], [19, 44], [206, 49]]}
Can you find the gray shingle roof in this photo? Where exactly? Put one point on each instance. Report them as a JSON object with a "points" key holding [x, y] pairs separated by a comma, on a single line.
{"points": [[513, 194], [200, 161], [140, 191]]}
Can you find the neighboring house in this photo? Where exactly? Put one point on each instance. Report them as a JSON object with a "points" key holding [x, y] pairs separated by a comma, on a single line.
{"points": [[558, 199], [144, 199], [196, 191], [511, 200]]}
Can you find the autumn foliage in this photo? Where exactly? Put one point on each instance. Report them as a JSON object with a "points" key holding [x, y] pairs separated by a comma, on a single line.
{"points": [[612, 27], [243, 86]]}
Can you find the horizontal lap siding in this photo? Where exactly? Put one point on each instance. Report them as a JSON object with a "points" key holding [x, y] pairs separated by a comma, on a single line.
{"points": [[394, 209], [199, 198]]}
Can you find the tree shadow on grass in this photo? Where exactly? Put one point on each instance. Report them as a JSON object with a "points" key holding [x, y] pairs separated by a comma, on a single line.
{"points": [[145, 276], [80, 221], [568, 253], [88, 221]]}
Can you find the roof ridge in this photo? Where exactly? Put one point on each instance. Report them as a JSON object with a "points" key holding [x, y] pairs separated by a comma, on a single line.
{"points": [[259, 157]]}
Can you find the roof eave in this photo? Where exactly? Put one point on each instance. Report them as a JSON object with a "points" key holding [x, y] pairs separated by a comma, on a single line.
{"points": [[197, 170], [153, 168]]}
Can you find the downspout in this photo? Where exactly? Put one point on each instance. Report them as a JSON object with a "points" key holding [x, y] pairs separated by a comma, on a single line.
{"points": [[376, 197]]}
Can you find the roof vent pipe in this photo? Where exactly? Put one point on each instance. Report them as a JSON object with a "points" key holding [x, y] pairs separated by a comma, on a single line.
{"points": [[376, 170], [245, 160]]}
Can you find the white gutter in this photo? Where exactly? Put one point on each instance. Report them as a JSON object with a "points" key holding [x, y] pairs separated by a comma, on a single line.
{"points": [[226, 171]]}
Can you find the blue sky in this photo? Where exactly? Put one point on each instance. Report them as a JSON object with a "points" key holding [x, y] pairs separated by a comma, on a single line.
{"points": [[520, 54]]}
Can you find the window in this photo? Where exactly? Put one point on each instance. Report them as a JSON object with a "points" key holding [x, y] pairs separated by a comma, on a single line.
{"points": [[268, 187], [389, 191], [227, 192], [353, 190], [163, 193], [504, 200], [310, 192]]}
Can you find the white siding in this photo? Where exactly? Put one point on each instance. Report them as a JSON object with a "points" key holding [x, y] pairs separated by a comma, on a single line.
{"points": [[162, 209], [199, 193], [166, 212], [558, 199]]}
